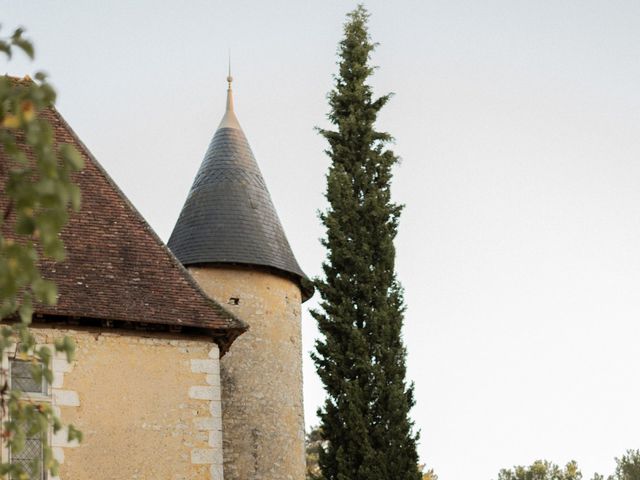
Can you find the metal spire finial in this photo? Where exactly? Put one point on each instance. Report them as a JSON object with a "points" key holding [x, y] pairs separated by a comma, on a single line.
{"points": [[229, 77], [229, 119]]}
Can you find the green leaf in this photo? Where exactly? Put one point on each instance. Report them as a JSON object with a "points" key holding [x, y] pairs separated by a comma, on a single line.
{"points": [[72, 156], [24, 225], [75, 197], [54, 248], [74, 434], [56, 425], [26, 46], [36, 372], [26, 309], [17, 34], [45, 291], [67, 345], [17, 442], [5, 48], [44, 355]]}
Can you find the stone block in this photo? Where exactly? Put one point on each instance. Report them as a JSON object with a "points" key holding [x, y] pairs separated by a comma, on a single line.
{"points": [[200, 456], [60, 365], [205, 366], [213, 379], [215, 437], [202, 393], [205, 423], [66, 398], [216, 472], [58, 380], [215, 407], [58, 454]]}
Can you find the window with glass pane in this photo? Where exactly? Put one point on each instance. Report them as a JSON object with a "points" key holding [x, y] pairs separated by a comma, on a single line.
{"points": [[21, 378], [31, 458]]}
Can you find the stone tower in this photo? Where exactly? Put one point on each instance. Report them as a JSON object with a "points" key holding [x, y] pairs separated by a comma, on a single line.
{"points": [[230, 238]]}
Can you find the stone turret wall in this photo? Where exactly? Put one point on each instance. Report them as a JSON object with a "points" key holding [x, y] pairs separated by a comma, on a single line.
{"points": [[261, 375]]}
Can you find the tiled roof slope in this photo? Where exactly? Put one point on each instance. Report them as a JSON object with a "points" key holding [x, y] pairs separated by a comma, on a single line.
{"points": [[228, 216], [117, 268]]}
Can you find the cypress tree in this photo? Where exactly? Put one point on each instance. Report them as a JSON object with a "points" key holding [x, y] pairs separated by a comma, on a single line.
{"points": [[361, 358]]}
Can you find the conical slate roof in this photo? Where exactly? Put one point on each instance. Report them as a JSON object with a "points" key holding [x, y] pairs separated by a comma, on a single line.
{"points": [[228, 217], [117, 269]]}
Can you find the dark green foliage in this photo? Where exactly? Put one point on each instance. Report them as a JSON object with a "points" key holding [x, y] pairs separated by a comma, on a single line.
{"points": [[542, 470], [361, 360], [627, 467]]}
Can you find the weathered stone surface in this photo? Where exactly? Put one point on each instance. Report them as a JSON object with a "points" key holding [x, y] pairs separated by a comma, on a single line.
{"points": [[65, 398], [201, 456], [262, 414], [204, 366], [129, 393], [203, 392]]}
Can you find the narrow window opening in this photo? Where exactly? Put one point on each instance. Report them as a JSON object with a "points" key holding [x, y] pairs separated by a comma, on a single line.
{"points": [[22, 378], [31, 458], [234, 301]]}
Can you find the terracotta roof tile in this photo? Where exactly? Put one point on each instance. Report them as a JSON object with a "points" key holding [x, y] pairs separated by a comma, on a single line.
{"points": [[117, 268]]}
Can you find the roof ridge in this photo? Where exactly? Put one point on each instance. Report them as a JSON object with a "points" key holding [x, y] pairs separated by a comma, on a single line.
{"points": [[237, 323]]}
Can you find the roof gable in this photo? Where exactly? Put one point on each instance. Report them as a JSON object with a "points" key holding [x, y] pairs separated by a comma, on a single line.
{"points": [[117, 268]]}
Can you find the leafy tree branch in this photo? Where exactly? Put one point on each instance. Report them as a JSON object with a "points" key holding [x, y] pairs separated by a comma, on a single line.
{"points": [[36, 197]]}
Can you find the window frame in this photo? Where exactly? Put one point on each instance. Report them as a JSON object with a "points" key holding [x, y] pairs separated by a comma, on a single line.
{"points": [[38, 397]]}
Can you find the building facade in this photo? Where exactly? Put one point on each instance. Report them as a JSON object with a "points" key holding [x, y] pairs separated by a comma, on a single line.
{"points": [[230, 238], [188, 360]]}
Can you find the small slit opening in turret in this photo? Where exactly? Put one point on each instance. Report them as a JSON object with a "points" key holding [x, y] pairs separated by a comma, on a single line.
{"points": [[234, 301]]}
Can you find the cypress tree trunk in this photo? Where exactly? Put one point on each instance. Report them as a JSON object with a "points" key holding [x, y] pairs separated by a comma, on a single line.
{"points": [[361, 360]]}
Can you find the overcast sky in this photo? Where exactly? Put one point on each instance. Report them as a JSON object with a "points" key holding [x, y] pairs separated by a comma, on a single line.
{"points": [[518, 124]]}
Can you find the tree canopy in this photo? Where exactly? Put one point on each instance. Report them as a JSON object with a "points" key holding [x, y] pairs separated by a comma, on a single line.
{"points": [[361, 359], [627, 468], [542, 470]]}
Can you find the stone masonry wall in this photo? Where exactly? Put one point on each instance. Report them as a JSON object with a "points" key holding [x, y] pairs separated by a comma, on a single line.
{"points": [[147, 404], [262, 414]]}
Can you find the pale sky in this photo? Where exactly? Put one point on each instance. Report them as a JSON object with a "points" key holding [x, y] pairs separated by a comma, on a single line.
{"points": [[518, 124]]}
